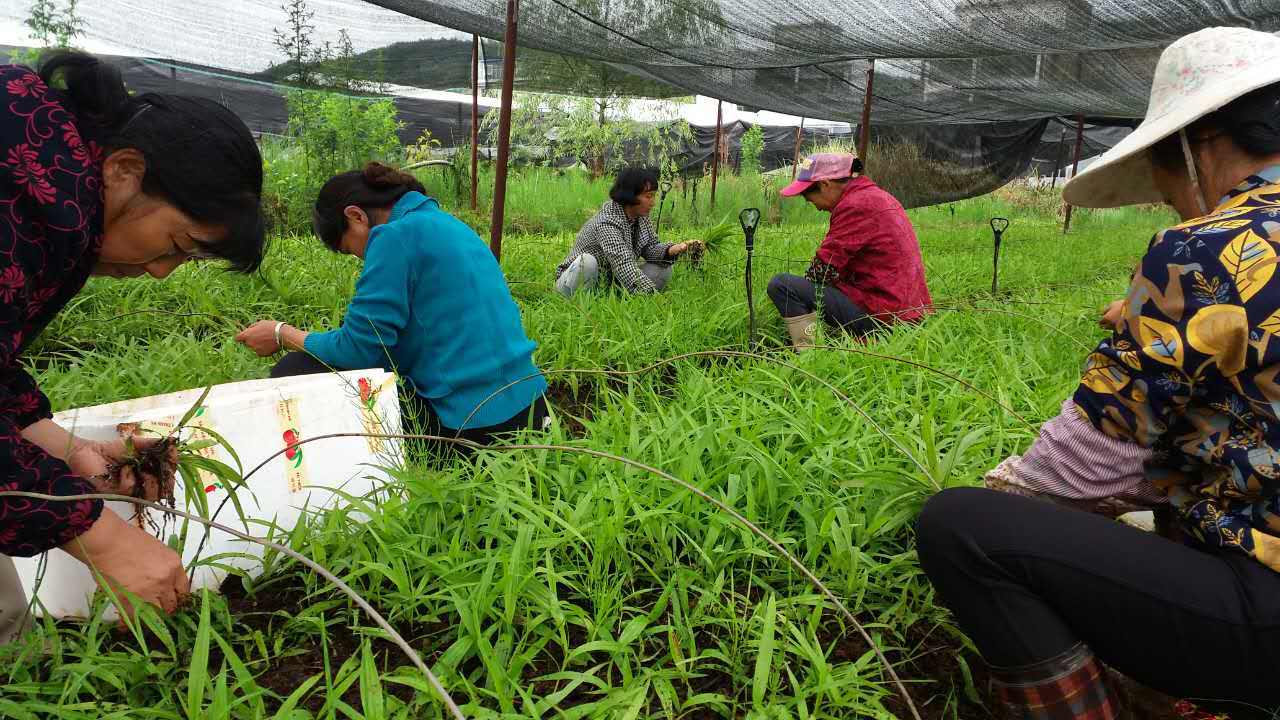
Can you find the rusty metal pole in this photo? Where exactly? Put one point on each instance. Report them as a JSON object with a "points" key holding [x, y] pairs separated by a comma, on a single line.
{"points": [[864, 139], [504, 129], [795, 163], [475, 117], [1066, 225], [715, 157], [1057, 162]]}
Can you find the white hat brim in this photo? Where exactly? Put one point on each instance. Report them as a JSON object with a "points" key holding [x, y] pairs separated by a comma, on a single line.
{"points": [[1122, 176]]}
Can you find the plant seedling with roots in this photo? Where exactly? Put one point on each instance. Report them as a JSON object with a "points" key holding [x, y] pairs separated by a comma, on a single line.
{"points": [[712, 240], [155, 470]]}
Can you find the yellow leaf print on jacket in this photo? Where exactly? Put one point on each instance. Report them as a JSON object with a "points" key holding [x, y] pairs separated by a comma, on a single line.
{"points": [[1160, 341], [1272, 324], [1206, 394], [1212, 218], [1222, 332], [1103, 375], [1170, 300], [1224, 225], [1251, 261]]}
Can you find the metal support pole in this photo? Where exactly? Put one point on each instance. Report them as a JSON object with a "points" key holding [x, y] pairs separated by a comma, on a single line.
{"points": [[795, 164], [1066, 225], [715, 155], [1057, 163], [864, 140], [475, 117], [504, 129]]}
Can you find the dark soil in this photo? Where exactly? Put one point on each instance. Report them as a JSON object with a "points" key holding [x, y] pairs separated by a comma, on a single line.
{"points": [[572, 406], [275, 604], [930, 661]]}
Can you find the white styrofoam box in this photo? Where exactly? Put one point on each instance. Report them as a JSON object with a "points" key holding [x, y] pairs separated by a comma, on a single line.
{"points": [[258, 418]]}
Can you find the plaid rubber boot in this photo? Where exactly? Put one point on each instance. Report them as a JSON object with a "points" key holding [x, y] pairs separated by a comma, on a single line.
{"points": [[1072, 686]]}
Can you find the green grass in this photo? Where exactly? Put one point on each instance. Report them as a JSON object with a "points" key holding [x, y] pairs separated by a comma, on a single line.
{"points": [[552, 584]]}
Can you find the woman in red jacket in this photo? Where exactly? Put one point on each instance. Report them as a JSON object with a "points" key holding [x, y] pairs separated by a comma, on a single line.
{"points": [[867, 272]]}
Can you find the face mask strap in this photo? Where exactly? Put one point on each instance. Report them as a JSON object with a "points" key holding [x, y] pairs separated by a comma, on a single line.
{"points": [[1191, 170]]}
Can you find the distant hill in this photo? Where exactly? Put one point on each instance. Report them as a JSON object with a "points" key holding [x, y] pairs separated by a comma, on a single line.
{"points": [[445, 64]]}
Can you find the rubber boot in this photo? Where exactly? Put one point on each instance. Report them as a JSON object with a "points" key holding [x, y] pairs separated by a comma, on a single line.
{"points": [[1071, 686], [802, 329]]}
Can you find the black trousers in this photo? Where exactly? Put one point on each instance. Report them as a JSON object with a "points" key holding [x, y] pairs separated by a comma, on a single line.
{"points": [[1027, 579], [418, 415], [794, 295]]}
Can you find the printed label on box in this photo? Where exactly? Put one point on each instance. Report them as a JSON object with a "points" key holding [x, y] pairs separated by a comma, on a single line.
{"points": [[295, 463]]}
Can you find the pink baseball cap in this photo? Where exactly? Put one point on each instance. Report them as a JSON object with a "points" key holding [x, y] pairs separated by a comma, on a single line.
{"points": [[820, 166]]}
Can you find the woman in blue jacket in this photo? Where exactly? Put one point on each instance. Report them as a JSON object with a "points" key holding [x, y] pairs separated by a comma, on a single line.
{"points": [[431, 304]]}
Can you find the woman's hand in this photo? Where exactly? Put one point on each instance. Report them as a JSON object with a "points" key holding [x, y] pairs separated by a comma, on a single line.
{"points": [[260, 337], [1111, 313], [129, 558], [94, 461], [677, 250]]}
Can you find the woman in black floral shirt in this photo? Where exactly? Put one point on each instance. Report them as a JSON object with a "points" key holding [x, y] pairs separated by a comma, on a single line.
{"points": [[96, 182]]}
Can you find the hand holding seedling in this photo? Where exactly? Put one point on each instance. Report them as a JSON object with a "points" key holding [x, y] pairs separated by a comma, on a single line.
{"points": [[126, 557], [677, 250], [265, 339], [1110, 319], [140, 466]]}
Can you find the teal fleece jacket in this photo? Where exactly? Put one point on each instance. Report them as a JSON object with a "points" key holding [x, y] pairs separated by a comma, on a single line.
{"points": [[432, 305]]}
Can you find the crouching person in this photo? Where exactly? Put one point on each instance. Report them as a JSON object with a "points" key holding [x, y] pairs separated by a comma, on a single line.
{"points": [[619, 245], [431, 304], [867, 272]]}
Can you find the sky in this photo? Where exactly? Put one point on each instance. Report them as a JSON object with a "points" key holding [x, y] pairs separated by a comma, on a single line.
{"points": [[232, 34], [238, 35]]}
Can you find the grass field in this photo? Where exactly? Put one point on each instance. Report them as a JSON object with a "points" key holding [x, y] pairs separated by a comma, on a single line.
{"points": [[555, 584]]}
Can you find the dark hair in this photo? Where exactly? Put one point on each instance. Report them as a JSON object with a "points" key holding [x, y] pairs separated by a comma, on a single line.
{"points": [[1251, 121], [200, 157], [377, 186], [633, 182]]}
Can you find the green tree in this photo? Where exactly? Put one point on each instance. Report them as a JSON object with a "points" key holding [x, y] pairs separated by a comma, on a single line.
{"points": [[51, 27], [546, 127], [297, 43], [752, 149]]}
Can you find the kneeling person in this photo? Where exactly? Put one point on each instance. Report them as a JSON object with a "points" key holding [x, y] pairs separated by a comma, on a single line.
{"points": [[867, 271], [431, 304], [610, 243]]}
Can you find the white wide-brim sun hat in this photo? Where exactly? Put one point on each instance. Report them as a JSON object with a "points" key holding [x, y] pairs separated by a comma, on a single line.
{"points": [[1196, 75]]}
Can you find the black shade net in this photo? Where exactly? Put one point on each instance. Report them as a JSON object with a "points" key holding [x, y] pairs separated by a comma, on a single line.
{"points": [[966, 93]]}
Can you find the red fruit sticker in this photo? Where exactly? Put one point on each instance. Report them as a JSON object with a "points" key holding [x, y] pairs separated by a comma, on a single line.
{"points": [[292, 450]]}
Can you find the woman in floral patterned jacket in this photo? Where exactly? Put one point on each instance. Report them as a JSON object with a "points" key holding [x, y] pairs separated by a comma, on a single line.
{"points": [[1192, 372], [94, 181]]}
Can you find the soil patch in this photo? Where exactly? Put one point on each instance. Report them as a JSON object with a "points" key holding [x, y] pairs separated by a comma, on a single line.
{"points": [[573, 406], [276, 603]]}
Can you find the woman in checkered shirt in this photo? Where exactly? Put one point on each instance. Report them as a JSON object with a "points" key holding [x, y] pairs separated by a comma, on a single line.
{"points": [[619, 244]]}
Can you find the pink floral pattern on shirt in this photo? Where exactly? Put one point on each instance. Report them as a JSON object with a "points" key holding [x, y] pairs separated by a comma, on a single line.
{"points": [[50, 235]]}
